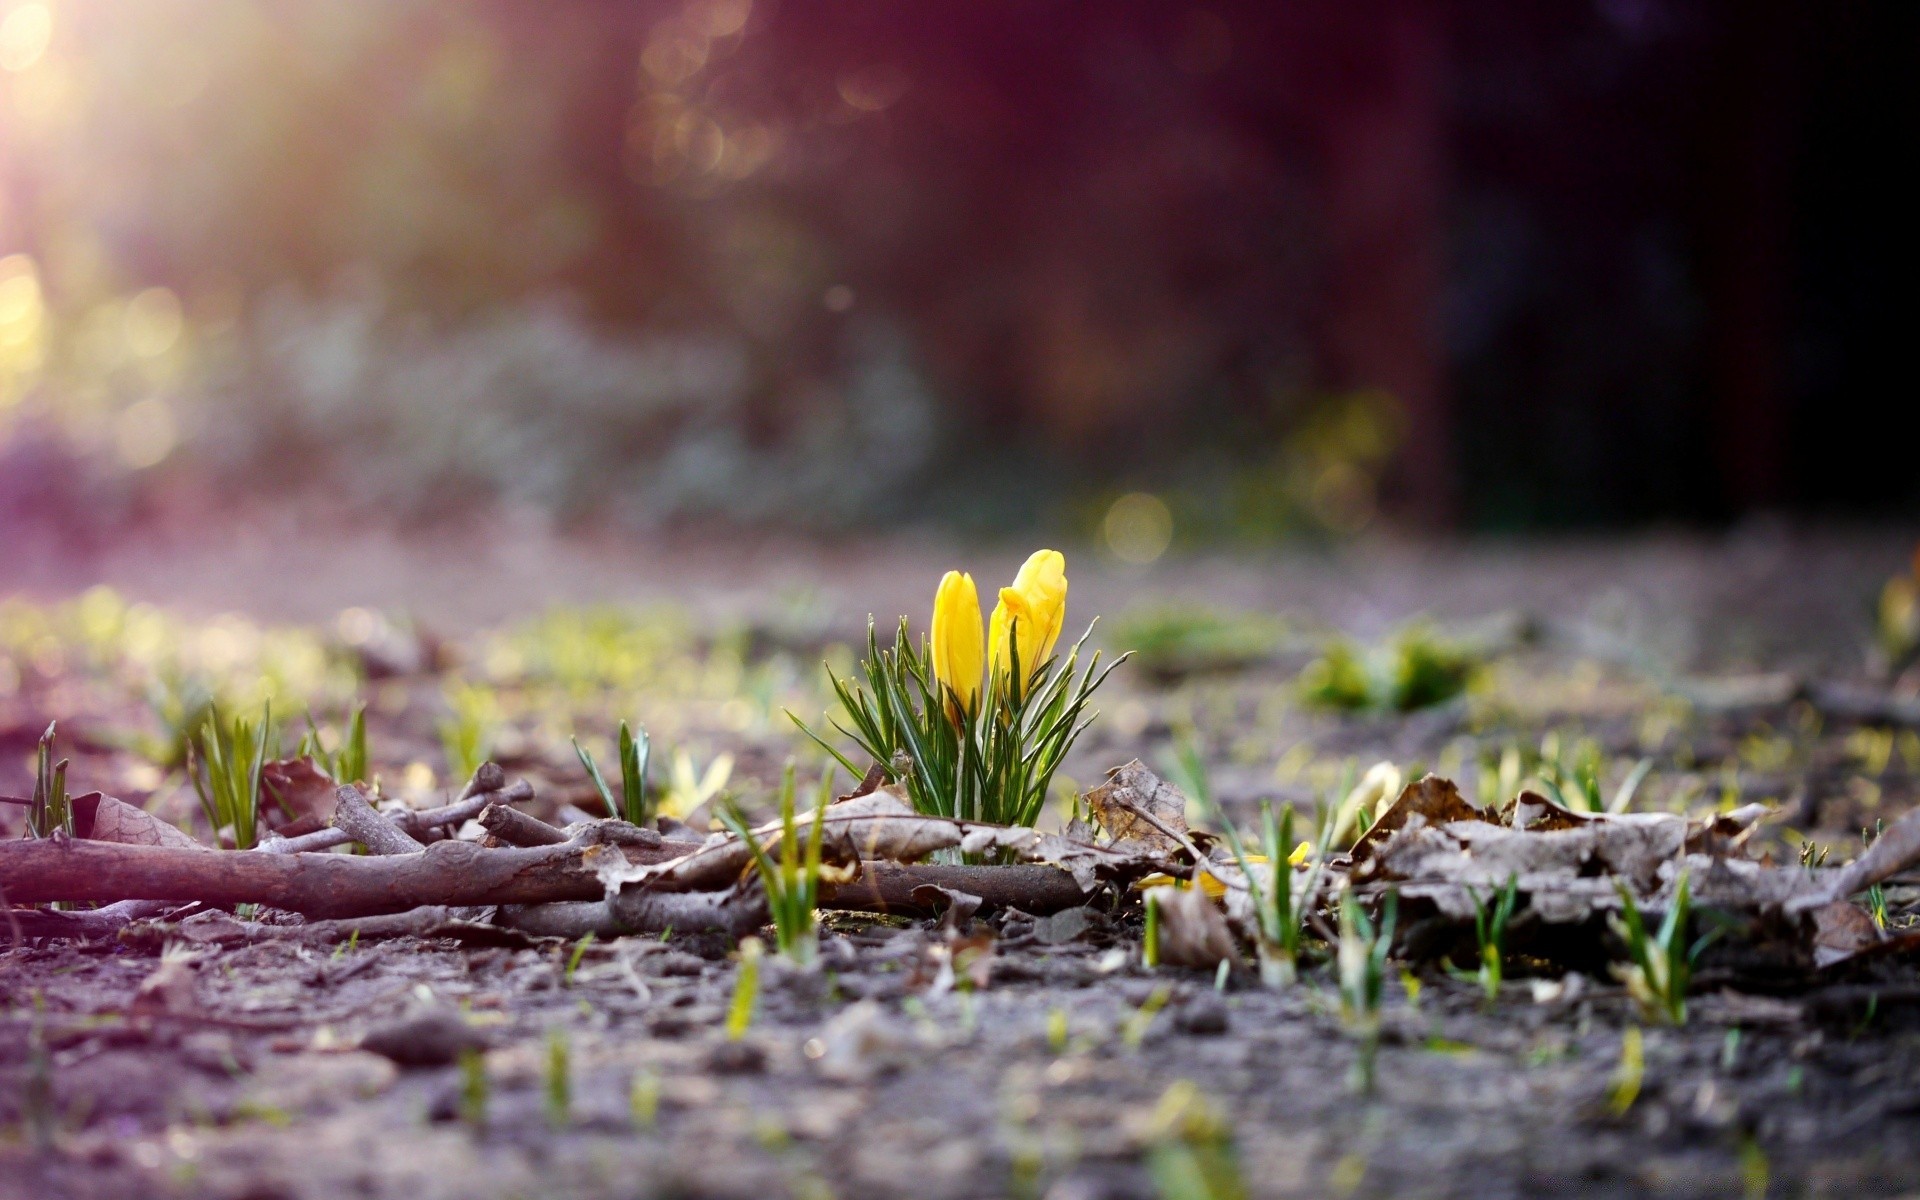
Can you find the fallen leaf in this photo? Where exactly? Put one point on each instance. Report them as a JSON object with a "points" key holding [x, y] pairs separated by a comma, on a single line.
{"points": [[1193, 931], [102, 818], [1130, 791], [294, 790]]}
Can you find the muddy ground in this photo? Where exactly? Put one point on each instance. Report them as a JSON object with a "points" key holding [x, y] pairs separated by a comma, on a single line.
{"points": [[1042, 1066]]}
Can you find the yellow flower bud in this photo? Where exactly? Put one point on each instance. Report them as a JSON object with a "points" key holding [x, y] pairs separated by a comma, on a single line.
{"points": [[957, 647], [1030, 613]]}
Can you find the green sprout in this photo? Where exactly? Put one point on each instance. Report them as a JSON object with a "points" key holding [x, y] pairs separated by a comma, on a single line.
{"points": [[348, 764], [1279, 925], [226, 775], [1660, 965], [474, 1087], [793, 883], [558, 1086], [746, 990], [466, 735], [1490, 930], [1150, 937], [635, 753], [1877, 894], [51, 809], [1363, 952], [643, 1098], [1625, 1086], [573, 960], [1190, 1148], [994, 764]]}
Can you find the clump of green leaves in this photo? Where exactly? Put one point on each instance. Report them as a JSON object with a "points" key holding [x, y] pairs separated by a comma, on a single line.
{"points": [[225, 768], [1490, 930], [793, 882], [51, 810], [1660, 964], [348, 764], [1416, 668], [635, 753], [1362, 956], [992, 765], [1191, 1153]]}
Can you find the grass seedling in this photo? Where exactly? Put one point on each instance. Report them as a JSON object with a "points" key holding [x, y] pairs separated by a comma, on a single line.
{"points": [[643, 1099], [993, 762], [226, 775], [1490, 929], [1363, 951], [348, 764], [1660, 965], [1134, 1031], [1190, 1148], [635, 753], [746, 990], [1877, 894], [51, 810], [579, 952], [466, 735], [1150, 938], [1625, 1087], [475, 1089], [690, 787], [793, 883], [558, 1085]]}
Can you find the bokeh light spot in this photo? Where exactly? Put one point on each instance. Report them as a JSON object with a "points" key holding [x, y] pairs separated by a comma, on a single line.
{"points": [[1138, 528], [25, 33], [153, 322], [145, 433]]}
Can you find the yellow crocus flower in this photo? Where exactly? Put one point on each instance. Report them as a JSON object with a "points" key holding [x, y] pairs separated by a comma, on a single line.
{"points": [[1030, 615], [958, 650]]}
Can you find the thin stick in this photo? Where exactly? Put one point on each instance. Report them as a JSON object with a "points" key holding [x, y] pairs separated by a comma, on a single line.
{"points": [[352, 813]]}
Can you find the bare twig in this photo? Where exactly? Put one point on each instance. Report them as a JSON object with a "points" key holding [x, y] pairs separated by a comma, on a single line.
{"points": [[414, 824], [352, 813], [516, 828]]}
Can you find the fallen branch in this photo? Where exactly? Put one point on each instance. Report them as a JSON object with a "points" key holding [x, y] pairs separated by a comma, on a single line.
{"points": [[318, 885]]}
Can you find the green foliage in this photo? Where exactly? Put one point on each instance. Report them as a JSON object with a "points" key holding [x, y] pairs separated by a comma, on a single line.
{"points": [[635, 753], [793, 883], [51, 809], [1624, 1088], [348, 764], [1660, 964], [1415, 669], [1490, 930], [225, 768], [995, 765], [1190, 1148]]}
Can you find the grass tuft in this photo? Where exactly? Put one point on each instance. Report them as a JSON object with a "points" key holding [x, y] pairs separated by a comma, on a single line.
{"points": [[793, 883], [225, 767]]}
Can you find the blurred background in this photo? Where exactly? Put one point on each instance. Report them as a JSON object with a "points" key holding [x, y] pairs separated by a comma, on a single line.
{"points": [[1151, 273]]}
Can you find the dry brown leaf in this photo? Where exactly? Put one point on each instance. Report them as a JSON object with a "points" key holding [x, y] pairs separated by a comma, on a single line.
{"points": [[1192, 930], [1434, 800], [1841, 930], [102, 818], [1131, 790], [295, 791]]}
